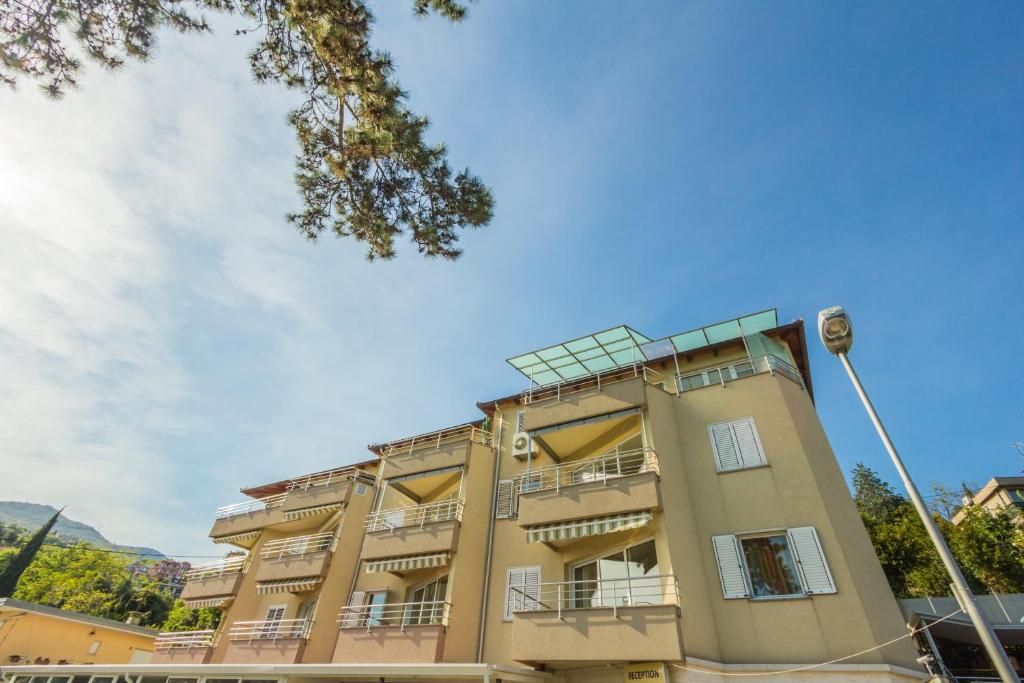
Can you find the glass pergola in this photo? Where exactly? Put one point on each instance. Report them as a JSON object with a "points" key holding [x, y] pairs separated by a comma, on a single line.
{"points": [[621, 346]]}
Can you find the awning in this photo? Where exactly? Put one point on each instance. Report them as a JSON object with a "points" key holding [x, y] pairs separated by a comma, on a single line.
{"points": [[587, 527], [238, 539], [310, 511], [405, 564], [288, 585], [219, 601]]}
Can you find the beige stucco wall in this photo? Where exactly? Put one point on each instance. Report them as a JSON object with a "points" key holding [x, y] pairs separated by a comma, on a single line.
{"points": [[38, 635]]}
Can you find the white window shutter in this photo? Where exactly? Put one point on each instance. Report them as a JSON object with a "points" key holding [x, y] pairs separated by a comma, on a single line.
{"points": [[506, 502], [727, 456], [751, 453], [352, 615], [522, 590], [811, 560], [730, 567]]}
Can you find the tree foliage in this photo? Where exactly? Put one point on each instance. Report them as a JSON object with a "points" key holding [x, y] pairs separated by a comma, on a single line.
{"points": [[988, 546], [21, 562], [182, 618], [81, 579], [364, 170]]}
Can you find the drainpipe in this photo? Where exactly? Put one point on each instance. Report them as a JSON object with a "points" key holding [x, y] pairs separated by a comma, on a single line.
{"points": [[490, 536]]}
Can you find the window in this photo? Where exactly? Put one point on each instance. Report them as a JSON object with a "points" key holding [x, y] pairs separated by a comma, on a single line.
{"points": [[784, 563], [522, 590], [626, 577], [306, 610], [770, 566], [374, 615], [736, 445], [428, 603], [274, 615]]}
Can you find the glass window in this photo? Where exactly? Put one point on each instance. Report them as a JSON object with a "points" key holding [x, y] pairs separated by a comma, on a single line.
{"points": [[770, 566], [428, 603], [691, 382], [374, 614], [744, 369], [626, 577]]}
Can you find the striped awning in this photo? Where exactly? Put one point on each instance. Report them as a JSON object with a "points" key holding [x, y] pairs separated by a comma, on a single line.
{"points": [[288, 585], [564, 531], [405, 564], [219, 601], [310, 511], [238, 539]]}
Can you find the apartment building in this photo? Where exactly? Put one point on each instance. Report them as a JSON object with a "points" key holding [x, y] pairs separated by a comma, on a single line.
{"points": [[998, 493], [647, 509]]}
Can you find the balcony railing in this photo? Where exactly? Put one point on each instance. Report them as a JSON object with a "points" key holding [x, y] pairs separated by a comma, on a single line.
{"points": [[273, 629], [332, 477], [597, 380], [602, 468], [255, 505], [180, 640], [661, 589], [742, 368], [414, 515], [395, 614], [298, 545], [436, 440], [209, 570]]}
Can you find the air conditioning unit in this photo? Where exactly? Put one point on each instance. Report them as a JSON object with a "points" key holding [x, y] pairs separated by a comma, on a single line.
{"points": [[520, 439]]}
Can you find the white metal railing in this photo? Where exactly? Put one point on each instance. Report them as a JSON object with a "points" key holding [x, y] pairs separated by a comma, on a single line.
{"points": [[558, 390], [209, 570], [395, 614], [602, 468], [255, 505], [331, 477], [414, 515], [436, 440], [613, 594], [297, 545], [745, 367], [179, 640], [272, 629]]}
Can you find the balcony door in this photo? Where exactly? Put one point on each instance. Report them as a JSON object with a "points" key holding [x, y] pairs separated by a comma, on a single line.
{"points": [[426, 603], [625, 577]]}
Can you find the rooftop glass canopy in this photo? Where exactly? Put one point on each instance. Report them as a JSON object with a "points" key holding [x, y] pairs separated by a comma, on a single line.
{"points": [[622, 345]]}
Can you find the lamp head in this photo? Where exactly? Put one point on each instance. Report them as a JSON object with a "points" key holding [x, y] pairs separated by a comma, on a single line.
{"points": [[836, 329]]}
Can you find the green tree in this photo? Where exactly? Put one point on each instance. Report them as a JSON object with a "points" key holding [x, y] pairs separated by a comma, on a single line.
{"points": [[21, 562], [182, 618], [364, 169], [987, 546], [75, 578]]}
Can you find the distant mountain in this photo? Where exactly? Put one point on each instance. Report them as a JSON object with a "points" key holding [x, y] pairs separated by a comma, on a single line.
{"points": [[31, 516]]}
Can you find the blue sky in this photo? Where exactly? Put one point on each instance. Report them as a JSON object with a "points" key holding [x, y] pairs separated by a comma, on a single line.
{"points": [[165, 336]]}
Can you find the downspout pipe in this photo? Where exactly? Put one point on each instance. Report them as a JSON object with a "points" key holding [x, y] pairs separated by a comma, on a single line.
{"points": [[490, 536]]}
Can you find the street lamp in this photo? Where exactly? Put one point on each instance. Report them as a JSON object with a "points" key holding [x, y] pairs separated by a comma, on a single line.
{"points": [[836, 332]]}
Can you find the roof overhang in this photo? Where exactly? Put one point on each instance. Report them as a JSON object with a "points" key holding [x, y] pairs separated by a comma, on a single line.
{"points": [[340, 672]]}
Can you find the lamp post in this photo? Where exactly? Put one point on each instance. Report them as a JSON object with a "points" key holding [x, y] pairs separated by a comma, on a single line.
{"points": [[836, 332]]}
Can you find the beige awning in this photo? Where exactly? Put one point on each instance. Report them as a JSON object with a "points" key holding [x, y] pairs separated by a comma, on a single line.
{"points": [[596, 526], [310, 511], [405, 564], [219, 601], [238, 539], [288, 585]]}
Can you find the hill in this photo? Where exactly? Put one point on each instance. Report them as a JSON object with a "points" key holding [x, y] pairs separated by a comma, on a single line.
{"points": [[31, 516]]}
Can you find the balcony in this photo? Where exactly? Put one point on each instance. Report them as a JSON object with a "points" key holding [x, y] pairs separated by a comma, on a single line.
{"points": [[298, 557], [326, 490], [183, 647], [598, 394], [612, 484], [396, 632], [414, 530], [433, 451], [747, 367], [241, 523], [279, 641], [566, 623], [214, 583]]}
